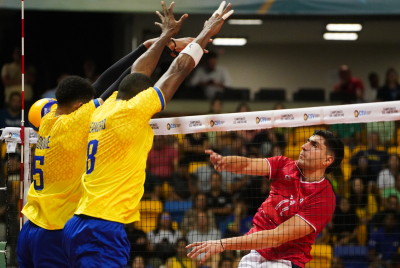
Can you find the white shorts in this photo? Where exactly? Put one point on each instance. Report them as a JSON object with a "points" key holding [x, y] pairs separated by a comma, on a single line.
{"points": [[255, 260]]}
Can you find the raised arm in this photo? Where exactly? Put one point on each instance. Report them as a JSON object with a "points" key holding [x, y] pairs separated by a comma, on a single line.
{"points": [[148, 61], [239, 164], [290, 230], [184, 63]]}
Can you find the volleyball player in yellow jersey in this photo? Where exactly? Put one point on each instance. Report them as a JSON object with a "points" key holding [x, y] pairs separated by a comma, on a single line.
{"points": [[119, 141], [60, 161]]}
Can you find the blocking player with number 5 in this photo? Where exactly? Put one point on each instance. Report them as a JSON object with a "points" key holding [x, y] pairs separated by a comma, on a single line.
{"points": [[118, 145]]}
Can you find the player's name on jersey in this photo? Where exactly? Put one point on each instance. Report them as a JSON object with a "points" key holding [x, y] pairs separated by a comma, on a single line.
{"points": [[43, 143], [97, 126]]}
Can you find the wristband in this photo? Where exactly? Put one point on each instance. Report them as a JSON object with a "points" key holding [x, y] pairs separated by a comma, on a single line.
{"points": [[195, 51], [221, 244]]}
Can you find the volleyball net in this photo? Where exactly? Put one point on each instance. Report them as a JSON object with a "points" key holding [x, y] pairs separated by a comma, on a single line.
{"points": [[185, 200]]}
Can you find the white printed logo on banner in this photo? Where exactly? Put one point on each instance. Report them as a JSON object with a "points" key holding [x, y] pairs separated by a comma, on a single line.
{"points": [[310, 116], [358, 113], [13, 135], [390, 110], [337, 113], [195, 123], [216, 123], [260, 120], [239, 120], [155, 126]]}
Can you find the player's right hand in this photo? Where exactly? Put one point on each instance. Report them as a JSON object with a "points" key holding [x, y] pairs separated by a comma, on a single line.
{"points": [[168, 23], [217, 160], [215, 22]]}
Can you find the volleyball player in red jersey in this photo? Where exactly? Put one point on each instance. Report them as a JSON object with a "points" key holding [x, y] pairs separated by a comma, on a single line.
{"points": [[300, 204]]}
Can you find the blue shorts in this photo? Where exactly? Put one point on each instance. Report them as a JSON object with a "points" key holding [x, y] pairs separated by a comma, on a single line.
{"points": [[38, 247], [93, 242]]}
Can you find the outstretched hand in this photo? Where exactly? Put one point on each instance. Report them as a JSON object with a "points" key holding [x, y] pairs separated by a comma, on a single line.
{"points": [[168, 23], [215, 22], [208, 247], [217, 160]]}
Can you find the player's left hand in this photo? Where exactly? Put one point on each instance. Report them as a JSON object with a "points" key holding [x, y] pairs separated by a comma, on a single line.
{"points": [[209, 247], [168, 23], [181, 43]]}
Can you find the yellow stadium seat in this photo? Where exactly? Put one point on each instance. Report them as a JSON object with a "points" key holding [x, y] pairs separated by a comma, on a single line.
{"points": [[346, 169], [394, 150], [380, 148], [149, 211], [362, 234], [322, 256], [293, 151], [195, 165], [398, 135], [179, 137]]}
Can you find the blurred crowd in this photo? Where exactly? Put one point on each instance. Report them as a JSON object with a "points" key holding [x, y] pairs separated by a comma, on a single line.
{"points": [[186, 201]]}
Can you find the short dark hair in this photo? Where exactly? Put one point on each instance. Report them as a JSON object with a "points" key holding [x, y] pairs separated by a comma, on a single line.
{"points": [[334, 145], [182, 239], [72, 89], [133, 84]]}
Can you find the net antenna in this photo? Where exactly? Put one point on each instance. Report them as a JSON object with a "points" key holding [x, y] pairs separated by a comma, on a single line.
{"points": [[22, 115]]}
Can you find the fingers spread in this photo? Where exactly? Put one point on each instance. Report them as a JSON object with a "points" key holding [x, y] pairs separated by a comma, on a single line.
{"points": [[219, 10], [224, 17], [164, 8], [210, 152], [159, 15], [171, 7], [183, 18]]}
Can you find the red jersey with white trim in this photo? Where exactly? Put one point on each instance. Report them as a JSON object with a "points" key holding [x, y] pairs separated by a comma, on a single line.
{"points": [[290, 196]]}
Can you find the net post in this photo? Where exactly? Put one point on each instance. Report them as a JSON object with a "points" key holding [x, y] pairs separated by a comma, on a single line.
{"points": [[22, 114]]}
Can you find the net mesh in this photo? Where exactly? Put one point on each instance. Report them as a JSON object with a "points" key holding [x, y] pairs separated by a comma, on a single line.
{"points": [[185, 200]]}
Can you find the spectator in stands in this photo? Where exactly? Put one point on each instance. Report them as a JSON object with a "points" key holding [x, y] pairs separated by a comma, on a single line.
{"points": [[385, 129], [51, 93], [391, 90], [345, 223], [371, 92], [228, 143], [350, 134], [163, 157], [395, 261], [386, 178], [230, 182], [376, 158], [164, 233], [189, 221], [194, 145], [243, 108], [216, 106], [182, 184], [384, 242], [391, 206], [240, 222], [152, 187], [10, 116], [138, 241], [203, 232], [219, 201], [364, 172], [180, 260], [210, 77], [337, 263], [264, 142], [365, 204], [11, 77], [225, 263], [90, 71], [393, 190], [351, 88]]}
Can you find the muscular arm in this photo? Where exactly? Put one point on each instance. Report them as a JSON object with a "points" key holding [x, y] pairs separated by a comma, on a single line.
{"points": [[290, 230], [239, 164]]}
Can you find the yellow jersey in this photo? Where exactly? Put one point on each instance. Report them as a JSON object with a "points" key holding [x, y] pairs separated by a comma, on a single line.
{"points": [[120, 139], [58, 165]]}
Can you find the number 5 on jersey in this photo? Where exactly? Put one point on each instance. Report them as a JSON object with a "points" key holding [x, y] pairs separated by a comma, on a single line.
{"points": [[37, 171], [91, 156]]}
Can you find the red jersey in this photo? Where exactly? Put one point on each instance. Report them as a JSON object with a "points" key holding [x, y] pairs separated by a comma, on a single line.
{"points": [[351, 87], [314, 202], [161, 162]]}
